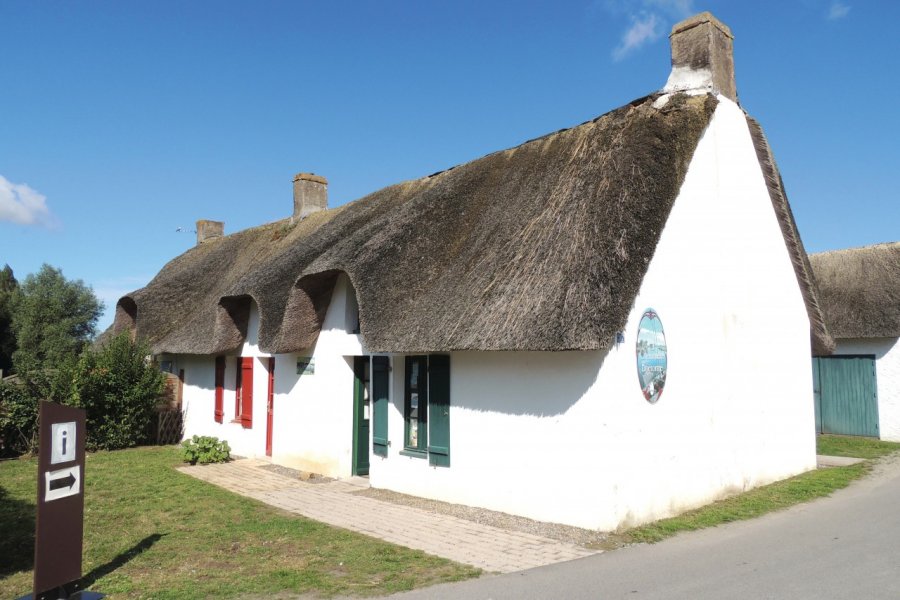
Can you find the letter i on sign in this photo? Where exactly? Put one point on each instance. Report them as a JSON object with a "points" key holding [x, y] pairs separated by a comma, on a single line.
{"points": [[63, 444]]}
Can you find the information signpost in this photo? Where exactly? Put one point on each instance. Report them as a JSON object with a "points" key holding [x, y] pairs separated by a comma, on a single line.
{"points": [[59, 526]]}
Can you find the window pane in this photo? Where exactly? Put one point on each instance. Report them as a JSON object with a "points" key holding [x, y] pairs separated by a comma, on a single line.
{"points": [[416, 406]]}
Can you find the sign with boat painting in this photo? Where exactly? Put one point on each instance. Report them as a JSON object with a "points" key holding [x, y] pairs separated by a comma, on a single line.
{"points": [[652, 357]]}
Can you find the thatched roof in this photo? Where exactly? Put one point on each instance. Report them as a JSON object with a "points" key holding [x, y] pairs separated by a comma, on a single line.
{"points": [[540, 247], [820, 338], [859, 289]]}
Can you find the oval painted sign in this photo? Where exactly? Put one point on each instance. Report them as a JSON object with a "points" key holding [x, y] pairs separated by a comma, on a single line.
{"points": [[651, 356]]}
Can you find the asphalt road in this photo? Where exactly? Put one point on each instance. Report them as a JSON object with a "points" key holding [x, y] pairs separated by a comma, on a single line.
{"points": [[844, 546]]}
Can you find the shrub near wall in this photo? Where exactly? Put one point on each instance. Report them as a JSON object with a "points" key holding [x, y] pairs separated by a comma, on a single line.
{"points": [[119, 388], [19, 406], [18, 420]]}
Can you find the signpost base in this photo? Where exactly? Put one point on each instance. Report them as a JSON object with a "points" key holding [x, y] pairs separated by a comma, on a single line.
{"points": [[81, 595]]}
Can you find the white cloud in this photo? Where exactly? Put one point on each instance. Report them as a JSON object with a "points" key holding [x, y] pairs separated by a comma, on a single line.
{"points": [[837, 10], [643, 29], [23, 205], [649, 20]]}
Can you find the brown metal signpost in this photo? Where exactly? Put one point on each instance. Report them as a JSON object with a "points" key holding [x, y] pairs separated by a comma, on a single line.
{"points": [[60, 505]]}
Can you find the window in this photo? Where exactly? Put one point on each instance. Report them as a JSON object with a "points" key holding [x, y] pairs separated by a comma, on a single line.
{"points": [[243, 391], [219, 410], [426, 409]]}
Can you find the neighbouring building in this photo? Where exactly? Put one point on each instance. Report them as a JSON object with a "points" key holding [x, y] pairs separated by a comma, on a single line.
{"points": [[600, 327], [857, 389]]}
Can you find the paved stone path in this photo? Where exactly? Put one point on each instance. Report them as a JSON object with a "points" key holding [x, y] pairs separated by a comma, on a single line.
{"points": [[482, 546]]}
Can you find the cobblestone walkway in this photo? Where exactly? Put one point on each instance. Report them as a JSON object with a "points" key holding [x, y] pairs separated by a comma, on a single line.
{"points": [[482, 546]]}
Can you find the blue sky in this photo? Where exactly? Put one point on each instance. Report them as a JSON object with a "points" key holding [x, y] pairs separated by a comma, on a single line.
{"points": [[121, 122]]}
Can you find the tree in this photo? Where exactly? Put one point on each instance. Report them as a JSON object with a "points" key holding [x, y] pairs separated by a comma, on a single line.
{"points": [[119, 387], [53, 319], [8, 285]]}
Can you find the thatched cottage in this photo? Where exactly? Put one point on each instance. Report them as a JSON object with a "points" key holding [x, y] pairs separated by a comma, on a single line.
{"points": [[603, 326], [858, 388]]}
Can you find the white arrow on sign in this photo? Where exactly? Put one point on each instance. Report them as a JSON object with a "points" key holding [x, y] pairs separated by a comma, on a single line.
{"points": [[62, 483]]}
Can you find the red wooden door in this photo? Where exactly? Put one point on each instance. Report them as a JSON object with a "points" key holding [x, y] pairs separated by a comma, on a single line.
{"points": [[219, 408], [270, 406]]}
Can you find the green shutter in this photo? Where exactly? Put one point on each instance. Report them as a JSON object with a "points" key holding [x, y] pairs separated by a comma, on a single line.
{"points": [[380, 373], [439, 409]]}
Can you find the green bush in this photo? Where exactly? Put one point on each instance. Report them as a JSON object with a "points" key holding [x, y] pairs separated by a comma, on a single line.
{"points": [[116, 384], [19, 402], [18, 421], [119, 388], [205, 450]]}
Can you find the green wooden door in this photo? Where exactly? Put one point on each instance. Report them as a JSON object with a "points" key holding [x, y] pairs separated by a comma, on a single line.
{"points": [[439, 410], [847, 395], [361, 408]]}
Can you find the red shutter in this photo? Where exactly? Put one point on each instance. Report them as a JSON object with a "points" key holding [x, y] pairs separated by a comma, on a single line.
{"points": [[247, 391], [219, 411], [237, 388]]}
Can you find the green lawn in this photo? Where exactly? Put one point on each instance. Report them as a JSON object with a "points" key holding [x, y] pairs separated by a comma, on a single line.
{"points": [[776, 496], [152, 532], [859, 447]]}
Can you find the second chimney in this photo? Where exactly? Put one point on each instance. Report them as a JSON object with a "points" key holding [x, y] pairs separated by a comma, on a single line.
{"points": [[207, 230], [310, 194], [702, 56]]}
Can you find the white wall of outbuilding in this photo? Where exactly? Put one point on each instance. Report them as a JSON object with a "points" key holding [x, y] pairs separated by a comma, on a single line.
{"points": [[887, 377]]}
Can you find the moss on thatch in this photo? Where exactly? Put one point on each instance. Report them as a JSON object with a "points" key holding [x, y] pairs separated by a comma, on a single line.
{"points": [[859, 289]]}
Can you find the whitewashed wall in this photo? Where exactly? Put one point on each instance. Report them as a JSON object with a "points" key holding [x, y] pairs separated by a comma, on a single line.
{"points": [[198, 401], [313, 413], [568, 437], [887, 376]]}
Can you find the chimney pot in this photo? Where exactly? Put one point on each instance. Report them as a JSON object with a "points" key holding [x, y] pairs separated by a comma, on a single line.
{"points": [[208, 230], [702, 56], [310, 194]]}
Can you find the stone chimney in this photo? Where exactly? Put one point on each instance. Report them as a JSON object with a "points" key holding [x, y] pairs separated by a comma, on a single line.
{"points": [[208, 230], [310, 194], [702, 58]]}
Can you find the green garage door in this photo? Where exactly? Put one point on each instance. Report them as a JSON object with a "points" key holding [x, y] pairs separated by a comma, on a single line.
{"points": [[845, 395]]}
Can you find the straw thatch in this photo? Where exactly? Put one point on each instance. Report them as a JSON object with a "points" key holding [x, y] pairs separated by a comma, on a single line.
{"points": [[859, 289], [541, 247], [820, 338]]}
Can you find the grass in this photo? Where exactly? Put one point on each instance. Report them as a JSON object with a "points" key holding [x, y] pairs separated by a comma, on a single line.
{"points": [[769, 498], [859, 447], [152, 532]]}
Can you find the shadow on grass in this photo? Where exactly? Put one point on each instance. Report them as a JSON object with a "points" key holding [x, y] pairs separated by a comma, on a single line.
{"points": [[17, 537], [120, 560]]}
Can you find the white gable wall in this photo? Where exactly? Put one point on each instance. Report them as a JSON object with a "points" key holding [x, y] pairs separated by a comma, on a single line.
{"points": [[736, 325], [887, 377], [568, 437]]}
